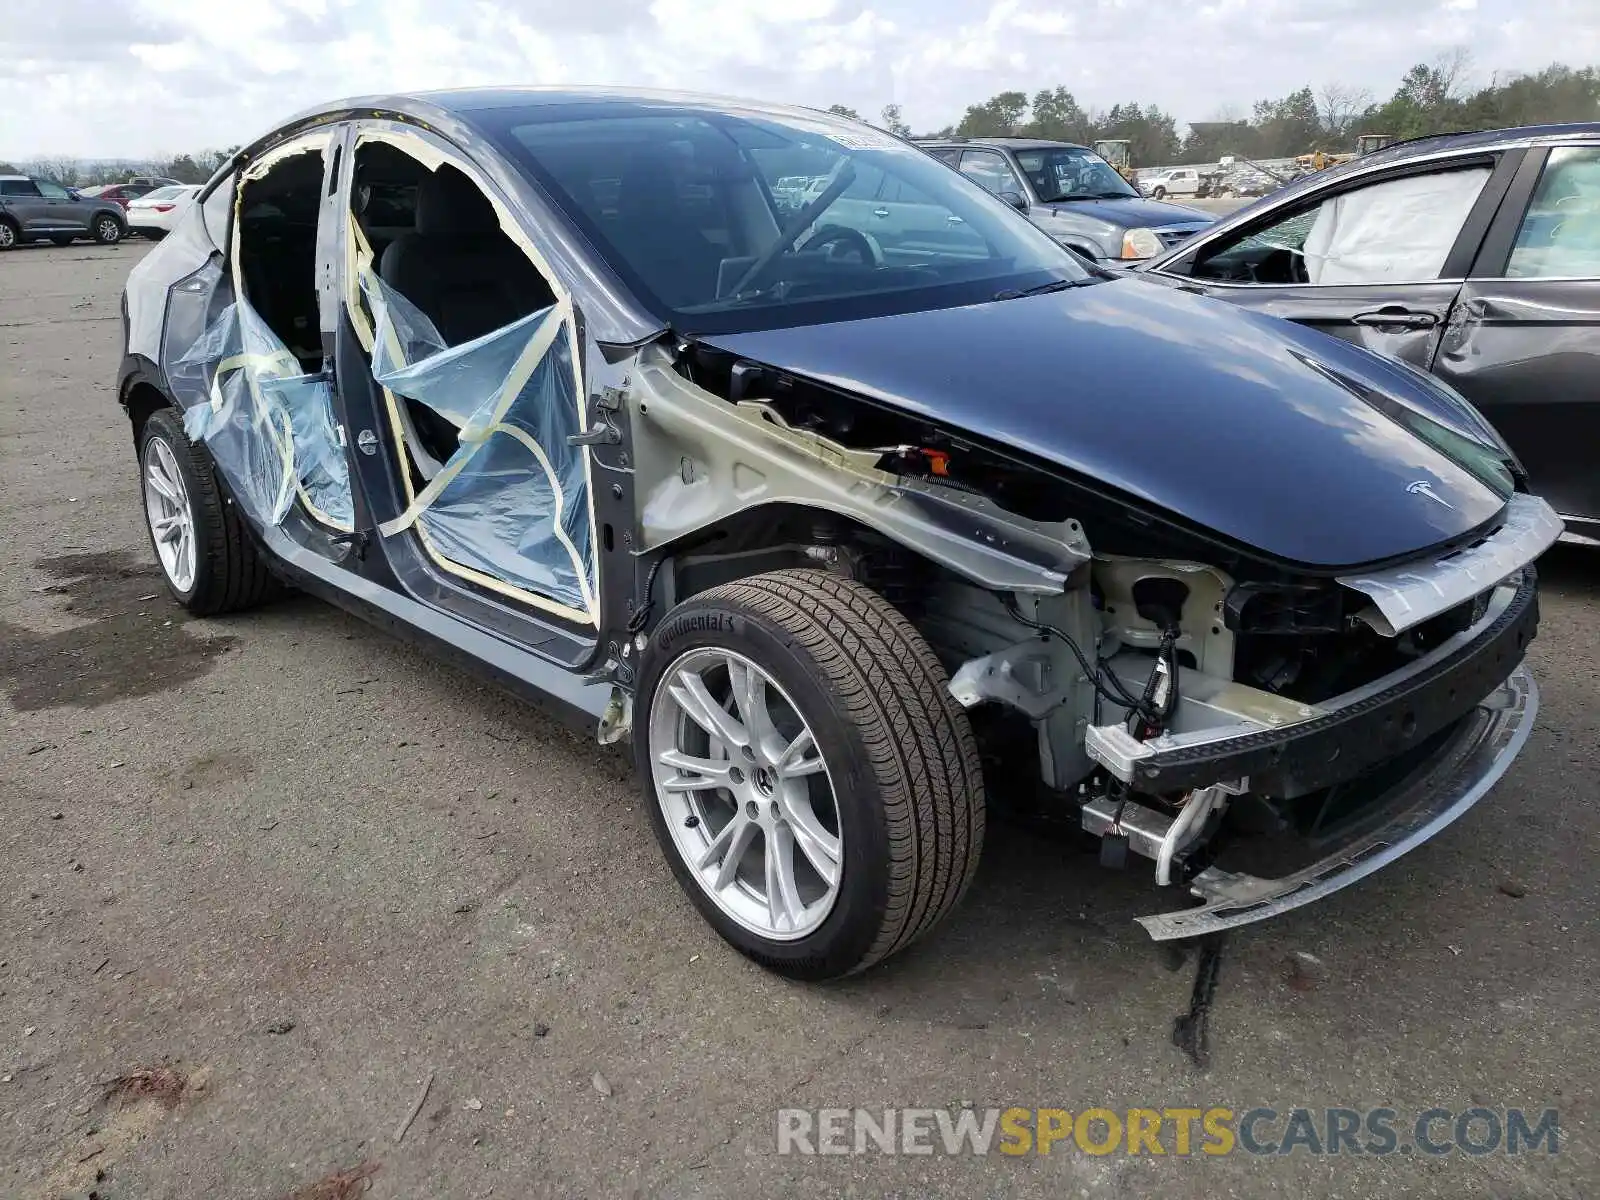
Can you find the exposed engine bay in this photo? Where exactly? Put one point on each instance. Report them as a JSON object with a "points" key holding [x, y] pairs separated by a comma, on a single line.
{"points": [[1126, 676]]}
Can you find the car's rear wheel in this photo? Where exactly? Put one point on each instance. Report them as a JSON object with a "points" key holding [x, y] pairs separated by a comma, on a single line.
{"points": [[107, 230], [816, 789], [63, 239], [210, 563], [8, 234]]}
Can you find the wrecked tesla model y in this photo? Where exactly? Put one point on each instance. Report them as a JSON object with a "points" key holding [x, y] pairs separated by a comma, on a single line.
{"points": [[855, 517]]}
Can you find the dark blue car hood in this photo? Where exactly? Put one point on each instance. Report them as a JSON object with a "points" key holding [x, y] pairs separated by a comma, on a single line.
{"points": [[1133, 212], [1301, 446]]}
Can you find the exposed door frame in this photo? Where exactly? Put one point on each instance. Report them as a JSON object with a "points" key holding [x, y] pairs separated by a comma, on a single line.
{"points": [[432, 151]]}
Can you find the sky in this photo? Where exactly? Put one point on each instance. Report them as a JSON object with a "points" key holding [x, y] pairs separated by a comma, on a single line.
{"points": [[145, 78]]}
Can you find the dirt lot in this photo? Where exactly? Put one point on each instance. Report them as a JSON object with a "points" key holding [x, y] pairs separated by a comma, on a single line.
{"points": [[274, 872]]}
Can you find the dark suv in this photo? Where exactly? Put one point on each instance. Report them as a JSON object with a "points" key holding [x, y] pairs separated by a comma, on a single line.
{"points": [[1072, 194], [38, 208]]}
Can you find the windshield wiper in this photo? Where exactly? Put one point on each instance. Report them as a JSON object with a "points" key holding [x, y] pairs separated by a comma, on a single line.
{"points": [[1095, 196], [1039, 289]]}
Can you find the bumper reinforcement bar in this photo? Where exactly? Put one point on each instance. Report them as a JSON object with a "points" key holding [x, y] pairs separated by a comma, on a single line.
{"points": [[1466, 768]]}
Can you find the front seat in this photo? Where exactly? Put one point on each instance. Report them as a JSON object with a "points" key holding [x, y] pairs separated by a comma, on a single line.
{"points": [[457, 266]]}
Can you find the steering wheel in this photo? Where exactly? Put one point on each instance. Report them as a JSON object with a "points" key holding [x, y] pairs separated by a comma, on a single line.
{"points": [[843, 244]]}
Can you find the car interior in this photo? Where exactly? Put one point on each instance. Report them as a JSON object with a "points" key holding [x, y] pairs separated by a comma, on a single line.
{"points": [[437, 241], [278, 252], [692, 215]]}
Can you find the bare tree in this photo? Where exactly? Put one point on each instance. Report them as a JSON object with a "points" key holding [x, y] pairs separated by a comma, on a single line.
{"points": [[1452, 69], [1341, 105], [60, 170]]}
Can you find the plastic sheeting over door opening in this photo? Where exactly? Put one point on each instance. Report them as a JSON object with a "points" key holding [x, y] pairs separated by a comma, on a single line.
{"points": [[512, 502], [268, 426]]}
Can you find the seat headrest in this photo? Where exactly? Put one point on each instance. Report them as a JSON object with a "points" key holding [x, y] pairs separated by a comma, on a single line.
{"points": [[450, 205]]}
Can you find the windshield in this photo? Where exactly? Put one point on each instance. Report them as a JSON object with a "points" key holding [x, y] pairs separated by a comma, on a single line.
{"points": [[726, 224], [1071, 173]]}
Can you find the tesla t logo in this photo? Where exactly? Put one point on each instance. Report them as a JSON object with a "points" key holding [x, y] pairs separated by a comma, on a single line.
{"points": [[1423, 488]]}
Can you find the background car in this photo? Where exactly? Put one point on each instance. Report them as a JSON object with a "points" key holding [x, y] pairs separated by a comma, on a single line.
{"points": [[1073, 194], [33, 209], [1475, 257], [155, 214]]}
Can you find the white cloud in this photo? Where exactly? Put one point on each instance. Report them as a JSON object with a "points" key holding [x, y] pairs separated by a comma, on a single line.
{"points": [[189, 74]]}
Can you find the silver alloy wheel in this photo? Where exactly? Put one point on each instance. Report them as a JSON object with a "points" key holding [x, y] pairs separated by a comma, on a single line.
{"points": [[746, 793], [171, 516], [8, 236], [110, 231]]}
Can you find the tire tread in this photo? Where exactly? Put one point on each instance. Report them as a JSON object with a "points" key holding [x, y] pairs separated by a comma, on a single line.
{"points": [[231, 573], [921, 747]]}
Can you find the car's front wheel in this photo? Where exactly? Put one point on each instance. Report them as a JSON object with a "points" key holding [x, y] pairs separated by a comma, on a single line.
{"points": [[1160, 193], [816, 789], [107, 230], [210, 563]]}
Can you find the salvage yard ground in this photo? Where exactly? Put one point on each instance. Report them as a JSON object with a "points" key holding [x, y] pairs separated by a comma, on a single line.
{"points": [[276, 885]]}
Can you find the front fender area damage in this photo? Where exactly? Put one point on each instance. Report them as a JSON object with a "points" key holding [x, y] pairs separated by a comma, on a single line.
{"points": [[702, 459]]}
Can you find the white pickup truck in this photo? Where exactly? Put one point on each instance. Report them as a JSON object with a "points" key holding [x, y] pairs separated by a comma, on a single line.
{"points": [[1177, 181]]}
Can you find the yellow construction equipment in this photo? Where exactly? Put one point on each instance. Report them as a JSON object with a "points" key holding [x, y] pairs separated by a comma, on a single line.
{"points": [[1319, 160]]}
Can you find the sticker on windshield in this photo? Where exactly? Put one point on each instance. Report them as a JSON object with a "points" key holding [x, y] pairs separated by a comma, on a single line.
{"points": [[866, 140]]}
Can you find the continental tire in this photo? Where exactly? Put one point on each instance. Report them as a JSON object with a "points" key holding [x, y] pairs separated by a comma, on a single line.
{"points": [[207, 556], [898, 797]]}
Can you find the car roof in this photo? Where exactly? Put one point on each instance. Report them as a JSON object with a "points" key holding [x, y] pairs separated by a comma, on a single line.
{"points": [[462, 102], [1006, 143], [453, 110]]}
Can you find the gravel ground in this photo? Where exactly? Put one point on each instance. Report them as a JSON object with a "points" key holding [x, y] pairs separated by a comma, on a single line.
{"points": [[274, 872]]}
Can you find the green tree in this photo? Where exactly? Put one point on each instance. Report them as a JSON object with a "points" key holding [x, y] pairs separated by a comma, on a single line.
{"points": [[998, 116], [1429, 100], [1292, 125], [1152, 134], [1057, 116], [891, 120]]}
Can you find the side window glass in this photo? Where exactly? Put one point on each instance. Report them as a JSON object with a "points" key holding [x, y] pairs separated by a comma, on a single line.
{"points": [[1397, 231], [1560, 233], [865, 186], [989, 171], [217, 209], [52, 191], [18, 187]]}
